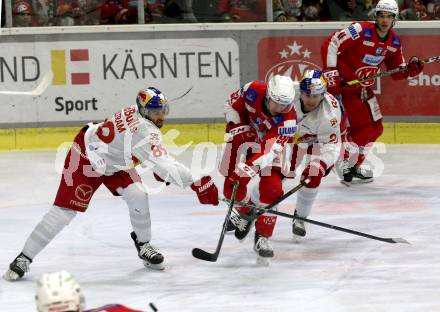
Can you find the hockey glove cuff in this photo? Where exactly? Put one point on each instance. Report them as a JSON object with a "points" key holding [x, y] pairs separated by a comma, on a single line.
{"points": [[314, 171], [206, 191]]}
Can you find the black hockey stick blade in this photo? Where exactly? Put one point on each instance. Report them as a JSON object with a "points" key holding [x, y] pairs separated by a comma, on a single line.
{"points": [[207, 256], [203, 255]]}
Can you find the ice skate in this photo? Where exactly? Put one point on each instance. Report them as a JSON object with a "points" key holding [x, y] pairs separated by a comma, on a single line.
{"points": [[242, 226], [263, 248], [298, 229], [148, 254], [343, 171], [18, 268], [361, 175], [357, 175]]}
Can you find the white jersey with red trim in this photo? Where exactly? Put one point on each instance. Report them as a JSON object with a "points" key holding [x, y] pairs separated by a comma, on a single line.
{"points": [[320, 128], [127, 138]]}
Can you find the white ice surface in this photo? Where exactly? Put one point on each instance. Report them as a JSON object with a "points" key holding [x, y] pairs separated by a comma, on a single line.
{"points": [[327, 271]]}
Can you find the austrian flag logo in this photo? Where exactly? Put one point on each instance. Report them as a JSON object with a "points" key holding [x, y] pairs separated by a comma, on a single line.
{"points": [[77, 60], [288, 56]]}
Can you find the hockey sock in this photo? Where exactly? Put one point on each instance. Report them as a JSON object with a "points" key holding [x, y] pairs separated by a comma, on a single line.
{"points": [[305, 200], [138, 206], [51, 224]]}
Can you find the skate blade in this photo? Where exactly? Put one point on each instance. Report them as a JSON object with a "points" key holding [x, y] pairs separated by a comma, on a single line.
{"points": [[244, 239], [297, 238], [356, 182], [10, 276], [159, 267], [263, 261], [347, 184], [364, 181]]}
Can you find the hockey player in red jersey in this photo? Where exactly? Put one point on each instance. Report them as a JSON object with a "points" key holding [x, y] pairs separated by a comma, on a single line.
{"points": [[112, 308], [356, 52], [260, 121], [60, 292], [105, 153]]}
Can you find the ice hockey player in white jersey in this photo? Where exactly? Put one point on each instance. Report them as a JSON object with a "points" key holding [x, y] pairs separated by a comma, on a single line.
{"points": [[60, 292], [106, 153], [318, 139]]}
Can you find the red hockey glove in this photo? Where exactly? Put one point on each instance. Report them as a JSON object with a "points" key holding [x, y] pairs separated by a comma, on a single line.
{"points": [[243, 173], [415, 66], [314, 171], [159, 179], [240, 133], [331, 74], [236, 135], [206, 191]]}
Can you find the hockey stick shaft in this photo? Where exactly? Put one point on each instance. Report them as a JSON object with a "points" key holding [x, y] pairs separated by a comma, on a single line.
{"points": [[260, 210], [204, 255], [292, 191], [338, 228], [389, 72]]}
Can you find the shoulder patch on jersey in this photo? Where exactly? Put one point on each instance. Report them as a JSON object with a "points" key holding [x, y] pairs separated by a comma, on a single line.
{"points": [[353, 32], [395, 41], [250, 96]]}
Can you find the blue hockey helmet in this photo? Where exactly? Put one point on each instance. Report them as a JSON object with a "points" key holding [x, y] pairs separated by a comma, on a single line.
{"points": [[150, 100], [313, 82]]}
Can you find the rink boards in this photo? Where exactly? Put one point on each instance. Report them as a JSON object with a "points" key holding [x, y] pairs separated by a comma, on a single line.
{"points": [[182, 134]]}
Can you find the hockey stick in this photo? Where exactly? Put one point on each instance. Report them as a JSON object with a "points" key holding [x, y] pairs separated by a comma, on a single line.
{"points": [[42, 86], [262, 210], [181, 96], [390, 72], [257, 211], [204, 255]]}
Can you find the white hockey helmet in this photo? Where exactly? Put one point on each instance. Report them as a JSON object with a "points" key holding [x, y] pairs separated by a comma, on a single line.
{"points": [[59, 292], [387, 6], [280, 89]]}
